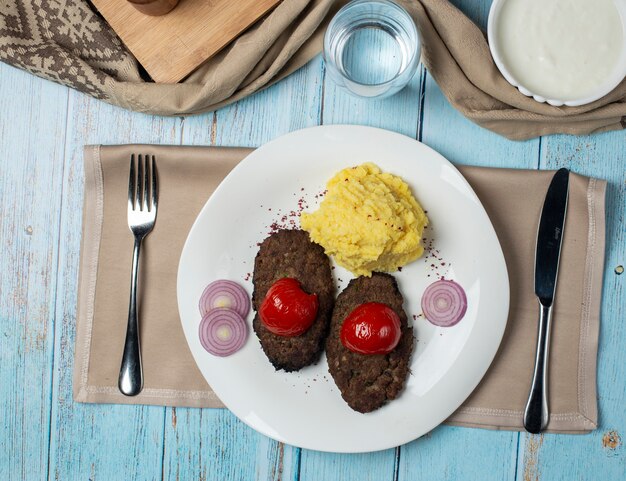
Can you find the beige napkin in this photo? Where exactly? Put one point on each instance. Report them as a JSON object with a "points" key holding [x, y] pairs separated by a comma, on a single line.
{"points": [[69, 43], [188, 175]]}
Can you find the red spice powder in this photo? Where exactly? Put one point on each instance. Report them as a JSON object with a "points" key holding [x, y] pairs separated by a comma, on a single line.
{"points": [[288, 219], [434, 259]]}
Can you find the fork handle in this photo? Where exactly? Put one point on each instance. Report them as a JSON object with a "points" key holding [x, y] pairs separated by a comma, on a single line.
{"points": [[131, 372]]}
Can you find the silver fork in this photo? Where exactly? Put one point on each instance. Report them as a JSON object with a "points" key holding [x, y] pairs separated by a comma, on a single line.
{"points": [[143, 193]]}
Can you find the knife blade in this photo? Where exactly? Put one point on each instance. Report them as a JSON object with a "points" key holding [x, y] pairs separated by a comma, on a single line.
{"points": [[547, 256]]}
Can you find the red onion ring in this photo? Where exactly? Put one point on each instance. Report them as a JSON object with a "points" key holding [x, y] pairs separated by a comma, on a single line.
{"points": [[225, 293], [222, 332], [444, 303]]}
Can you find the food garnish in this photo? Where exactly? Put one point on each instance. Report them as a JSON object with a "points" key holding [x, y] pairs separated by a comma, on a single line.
{"points": [[444, 303], [222, 332], [371, 328], [224, 306], [287, 310], [225, 293]]}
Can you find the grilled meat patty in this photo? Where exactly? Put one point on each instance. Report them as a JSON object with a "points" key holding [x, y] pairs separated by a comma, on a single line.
{"points": [[368, 381], [290, 253]]}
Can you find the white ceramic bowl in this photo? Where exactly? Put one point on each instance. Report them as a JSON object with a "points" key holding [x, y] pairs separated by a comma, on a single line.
{"points": [[612, 81]]}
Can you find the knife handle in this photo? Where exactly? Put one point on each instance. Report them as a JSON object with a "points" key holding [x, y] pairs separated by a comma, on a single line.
{"points": [[536, 414]]}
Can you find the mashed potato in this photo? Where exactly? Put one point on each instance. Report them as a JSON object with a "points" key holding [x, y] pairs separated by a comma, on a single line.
{"points": [[369, 221]]}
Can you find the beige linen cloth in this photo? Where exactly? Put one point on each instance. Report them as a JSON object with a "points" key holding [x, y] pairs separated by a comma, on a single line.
{"points": [[188, 175], [67, 42]]}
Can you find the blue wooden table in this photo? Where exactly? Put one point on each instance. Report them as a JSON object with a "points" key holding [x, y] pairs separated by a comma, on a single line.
{"points": [[45, 435]]}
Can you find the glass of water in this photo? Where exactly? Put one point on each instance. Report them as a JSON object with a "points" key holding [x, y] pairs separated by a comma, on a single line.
{"points": [[372, 48]]}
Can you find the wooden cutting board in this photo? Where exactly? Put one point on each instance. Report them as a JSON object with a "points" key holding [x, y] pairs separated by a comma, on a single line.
{"points": [[171, 46]]}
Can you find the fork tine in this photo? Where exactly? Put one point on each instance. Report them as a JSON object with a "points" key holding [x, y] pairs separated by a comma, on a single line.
{"points": [[155, 185], [146, 184], [139, 182], [131, 183]]}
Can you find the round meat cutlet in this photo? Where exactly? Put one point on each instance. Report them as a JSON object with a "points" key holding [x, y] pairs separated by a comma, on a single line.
{"points": [[368, 381], [290, 253]]}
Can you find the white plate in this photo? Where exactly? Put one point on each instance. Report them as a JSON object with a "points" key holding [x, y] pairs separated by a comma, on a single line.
{"points": [[305, 408]]}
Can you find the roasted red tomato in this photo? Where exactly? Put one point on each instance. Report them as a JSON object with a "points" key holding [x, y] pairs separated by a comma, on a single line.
{"points": [[287, 310], [371, 328]]}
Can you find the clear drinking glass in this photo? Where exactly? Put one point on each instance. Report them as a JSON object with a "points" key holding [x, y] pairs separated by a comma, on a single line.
{"points": [[372, 48]]}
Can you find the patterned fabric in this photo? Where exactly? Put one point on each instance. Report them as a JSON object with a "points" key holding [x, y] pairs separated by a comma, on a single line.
{"points": [[63, 41], [66, 41]]}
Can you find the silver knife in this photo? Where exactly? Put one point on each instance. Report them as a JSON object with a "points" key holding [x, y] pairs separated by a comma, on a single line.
{"points": [[547, 254]]}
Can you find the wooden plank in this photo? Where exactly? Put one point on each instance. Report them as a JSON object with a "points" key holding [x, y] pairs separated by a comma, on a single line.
{"points": [[451, 452], [400, 113], [292, 104], [376, 466], [30, 194], [601, 453], [171, 46], [448, 132], [463, 142], [477, 11], [97, 441], [213, 443]]}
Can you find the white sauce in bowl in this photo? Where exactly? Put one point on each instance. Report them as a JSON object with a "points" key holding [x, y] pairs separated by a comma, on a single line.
{"points": [[561, 49]]}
